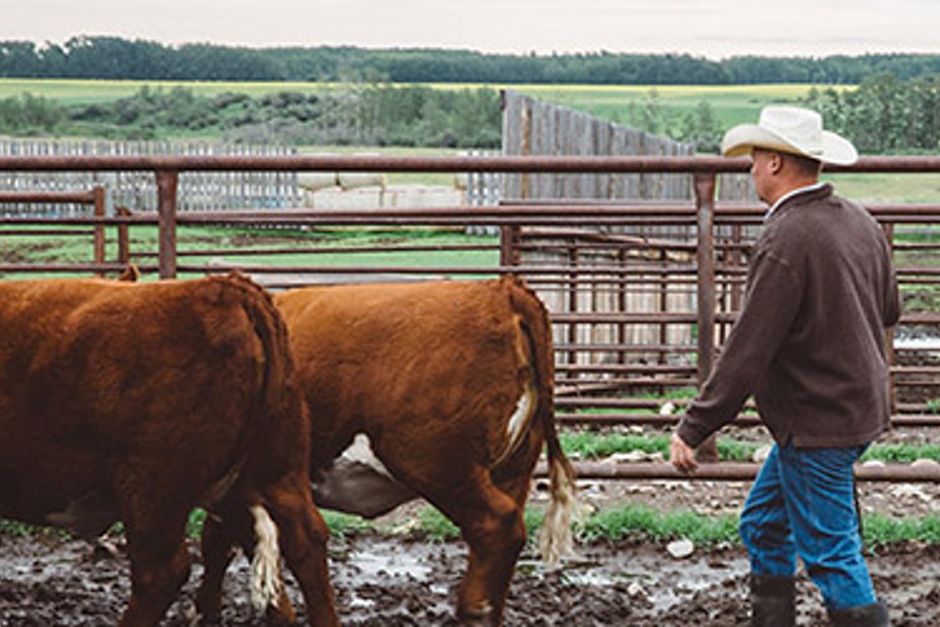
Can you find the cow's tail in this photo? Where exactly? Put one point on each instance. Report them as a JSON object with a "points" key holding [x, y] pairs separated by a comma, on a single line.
{"points": [[271, 401], [277, 430], [555, 538], [266, 584]]}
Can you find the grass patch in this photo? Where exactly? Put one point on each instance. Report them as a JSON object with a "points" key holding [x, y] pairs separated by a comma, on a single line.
{"points": [[78, 248], [635, 521], [343, 525], [591, 445], [902, 453], [644, 522], [879, 530]]}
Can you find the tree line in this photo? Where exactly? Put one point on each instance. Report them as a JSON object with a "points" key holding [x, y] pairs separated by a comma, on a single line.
{"points": [[117, 58], [364, 114], [884, 114]]}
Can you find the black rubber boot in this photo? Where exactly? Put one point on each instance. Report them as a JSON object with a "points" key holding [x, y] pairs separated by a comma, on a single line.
{"points": [[773, 601], [874, 615]]}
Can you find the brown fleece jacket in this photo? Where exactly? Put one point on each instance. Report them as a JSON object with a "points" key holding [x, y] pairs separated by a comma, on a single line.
{"points": [[809, 342]]}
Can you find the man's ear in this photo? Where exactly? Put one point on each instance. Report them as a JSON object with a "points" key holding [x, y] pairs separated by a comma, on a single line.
{"points": [[776, 162]]}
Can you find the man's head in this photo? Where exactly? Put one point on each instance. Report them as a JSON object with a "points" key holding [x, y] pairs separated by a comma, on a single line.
{"points": [[788, 147], [775, 173]]}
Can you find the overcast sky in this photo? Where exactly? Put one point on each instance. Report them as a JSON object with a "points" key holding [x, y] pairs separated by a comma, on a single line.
{"points": [[712, 28]]}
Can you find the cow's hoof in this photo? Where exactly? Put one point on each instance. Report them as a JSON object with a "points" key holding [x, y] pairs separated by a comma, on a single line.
{"points": [[480, 616]]}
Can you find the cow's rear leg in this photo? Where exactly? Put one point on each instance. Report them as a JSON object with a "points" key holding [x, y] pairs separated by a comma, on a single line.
{"points": [[159, 567], [492, 525], [220, 536], [303, 535]]}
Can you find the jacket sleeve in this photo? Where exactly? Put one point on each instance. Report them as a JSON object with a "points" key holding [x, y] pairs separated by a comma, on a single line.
{"points": [[773, 301], [892, 311]]}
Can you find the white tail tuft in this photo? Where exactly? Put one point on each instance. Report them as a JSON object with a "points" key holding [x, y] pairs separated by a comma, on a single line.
{"points": [[266, 585], [555, 538]]}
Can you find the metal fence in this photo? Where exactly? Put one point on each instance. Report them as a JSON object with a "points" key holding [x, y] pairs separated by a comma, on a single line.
{"points": [[594, 371]]}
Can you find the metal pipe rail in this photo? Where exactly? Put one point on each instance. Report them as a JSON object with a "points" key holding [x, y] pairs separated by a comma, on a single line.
{"points": [[364, 163], [704, 214], [735, 471], [743, 420]]}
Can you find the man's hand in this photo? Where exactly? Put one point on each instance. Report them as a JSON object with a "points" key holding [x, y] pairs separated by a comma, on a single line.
{"points": [[682, 455]]}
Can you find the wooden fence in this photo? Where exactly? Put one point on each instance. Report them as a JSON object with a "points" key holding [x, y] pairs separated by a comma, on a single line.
{"points": [[198, 191], [533, 127]]}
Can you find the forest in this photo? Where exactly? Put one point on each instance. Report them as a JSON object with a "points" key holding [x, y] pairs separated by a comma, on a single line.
{"points": [[102, 57]]}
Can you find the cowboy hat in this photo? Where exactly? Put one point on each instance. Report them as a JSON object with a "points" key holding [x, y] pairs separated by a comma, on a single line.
{"points": [[793, 130]]}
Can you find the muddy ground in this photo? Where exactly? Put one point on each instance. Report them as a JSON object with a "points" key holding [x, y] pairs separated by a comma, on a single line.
{"points": [[397, 579], [391, 581]]}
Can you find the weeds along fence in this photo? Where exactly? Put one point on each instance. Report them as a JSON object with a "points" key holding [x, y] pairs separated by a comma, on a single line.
{"points": [[573, 253]]}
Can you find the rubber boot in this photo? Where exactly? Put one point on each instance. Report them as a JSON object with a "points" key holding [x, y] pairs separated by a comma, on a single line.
{"points": [[773, 601], [874, 615]]}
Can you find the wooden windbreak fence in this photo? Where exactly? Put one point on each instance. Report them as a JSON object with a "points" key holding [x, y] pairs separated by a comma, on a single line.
{"points": [[535, 127]]}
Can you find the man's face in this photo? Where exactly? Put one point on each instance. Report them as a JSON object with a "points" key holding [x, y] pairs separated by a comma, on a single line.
{"points": [[761, 172]]}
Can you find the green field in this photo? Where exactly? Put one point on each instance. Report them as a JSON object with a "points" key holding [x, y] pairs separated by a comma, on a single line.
{"points": [[732, 103]]}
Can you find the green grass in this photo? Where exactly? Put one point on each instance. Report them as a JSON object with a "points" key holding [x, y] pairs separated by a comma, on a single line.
{"points": [[342, 525], [732, 104], [648, 523], [645, 523], [591, 445], [84, 92], [887, 187], [879, 530], [902, 453], [599, 98], [634, 521], [588, 445], [78, 249]]}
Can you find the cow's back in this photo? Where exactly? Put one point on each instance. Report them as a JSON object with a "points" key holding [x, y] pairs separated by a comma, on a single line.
{"points": [[444, 362], [104, 379]]}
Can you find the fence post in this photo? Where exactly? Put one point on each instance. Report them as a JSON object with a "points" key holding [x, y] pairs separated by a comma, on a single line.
{"points": [[99, 245], [705, 296], [509, 237], [890, 356], [166, 209], [123, 237], [573, 260]]}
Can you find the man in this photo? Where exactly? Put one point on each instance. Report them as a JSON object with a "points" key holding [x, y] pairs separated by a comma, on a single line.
{"points": [[809, 344]]}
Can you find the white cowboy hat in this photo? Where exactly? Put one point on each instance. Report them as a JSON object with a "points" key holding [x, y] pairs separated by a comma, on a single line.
{"points": [[792, 130]]}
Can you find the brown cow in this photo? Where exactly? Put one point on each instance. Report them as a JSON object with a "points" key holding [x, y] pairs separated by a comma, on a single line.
{"points": [[139, 402], [451, 385]]}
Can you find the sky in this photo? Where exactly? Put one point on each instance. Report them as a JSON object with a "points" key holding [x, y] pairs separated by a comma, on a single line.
{"points": [[715, 29]]}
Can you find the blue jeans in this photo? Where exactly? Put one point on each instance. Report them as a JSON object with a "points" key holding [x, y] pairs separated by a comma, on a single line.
{"points": [[803, 503]]}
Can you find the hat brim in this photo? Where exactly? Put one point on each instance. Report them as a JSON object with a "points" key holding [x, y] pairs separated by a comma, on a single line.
{"points": [[742, 139]]}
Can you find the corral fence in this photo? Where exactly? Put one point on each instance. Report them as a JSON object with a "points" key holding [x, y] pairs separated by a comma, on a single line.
{"points": [[198, 191], [607, 371]]}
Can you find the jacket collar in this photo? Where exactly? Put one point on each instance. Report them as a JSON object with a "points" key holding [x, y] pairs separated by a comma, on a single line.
{"points": [[817, 191]]}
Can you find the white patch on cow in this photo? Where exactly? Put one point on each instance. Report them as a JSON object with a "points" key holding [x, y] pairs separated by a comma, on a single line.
{"points": [[266, 582], [360, 451], [519, 421]]}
